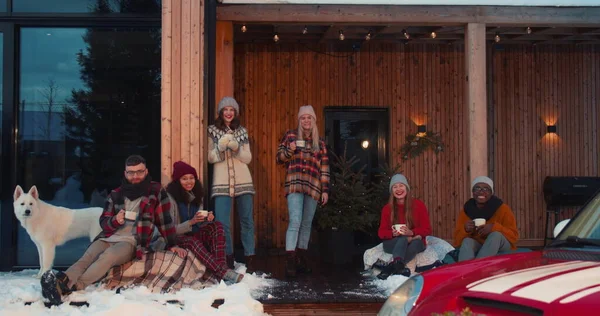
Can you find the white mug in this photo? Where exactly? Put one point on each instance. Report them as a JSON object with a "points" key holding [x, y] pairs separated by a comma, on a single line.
{"points": [[397, 227], [130, 215], [300, 143], [479, 221], [203, 213]]}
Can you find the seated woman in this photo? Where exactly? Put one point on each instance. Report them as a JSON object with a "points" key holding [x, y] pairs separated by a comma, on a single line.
{"points": [[198, 233], [499, 230], [407, 241]]}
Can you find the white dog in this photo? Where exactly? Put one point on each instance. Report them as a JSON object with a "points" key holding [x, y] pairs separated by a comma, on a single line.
{"points": [[50, 226]]}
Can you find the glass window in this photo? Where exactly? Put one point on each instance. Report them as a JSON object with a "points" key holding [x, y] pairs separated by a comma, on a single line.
{"points": [[2, 5], [84, 6], [89, 97]]}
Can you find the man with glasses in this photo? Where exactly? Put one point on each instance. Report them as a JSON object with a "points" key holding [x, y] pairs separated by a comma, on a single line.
{"points": [[485, 224], [131, 213]]}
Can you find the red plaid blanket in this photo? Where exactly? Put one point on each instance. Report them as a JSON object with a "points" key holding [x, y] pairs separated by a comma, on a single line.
{"points": [[161, 272]]}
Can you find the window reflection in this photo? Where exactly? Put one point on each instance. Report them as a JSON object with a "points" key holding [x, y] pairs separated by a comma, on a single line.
{"points": [[82, 6], [88, 98]]}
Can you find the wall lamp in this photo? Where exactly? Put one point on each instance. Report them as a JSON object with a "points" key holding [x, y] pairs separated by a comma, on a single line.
{"points": [[421, 128], [551, 129]]}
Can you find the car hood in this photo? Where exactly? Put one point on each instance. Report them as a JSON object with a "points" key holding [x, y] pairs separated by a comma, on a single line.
{"points": [[550, 282]]}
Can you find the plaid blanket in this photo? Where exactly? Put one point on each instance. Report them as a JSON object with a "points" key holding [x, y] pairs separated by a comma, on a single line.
{"points": [[161, 272]]}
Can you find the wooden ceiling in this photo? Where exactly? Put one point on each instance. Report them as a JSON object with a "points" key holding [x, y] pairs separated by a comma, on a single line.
{"points": [[399, 33]]}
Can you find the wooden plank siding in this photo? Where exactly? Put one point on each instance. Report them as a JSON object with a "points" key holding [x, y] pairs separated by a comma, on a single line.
{"points": [[424, 84], [183, 117], [534, 86], [420, 84]]}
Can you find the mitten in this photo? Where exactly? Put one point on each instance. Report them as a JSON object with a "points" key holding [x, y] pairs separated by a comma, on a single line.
{"points": [[233, 145], [222, 145]]}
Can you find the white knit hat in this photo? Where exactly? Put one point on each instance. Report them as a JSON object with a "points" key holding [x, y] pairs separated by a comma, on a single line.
{"points": [[307, 109], [228, 101], [483, 179]]}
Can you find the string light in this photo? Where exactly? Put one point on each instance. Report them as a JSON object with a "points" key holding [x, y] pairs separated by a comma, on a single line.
{"points": [[276, 38], [244, 29], [406, 35], [368, 36], [305, 30], [433, 35], [529, 30], [497, 38], [342, 37]]}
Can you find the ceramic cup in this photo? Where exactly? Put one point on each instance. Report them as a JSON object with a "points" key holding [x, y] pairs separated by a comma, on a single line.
{"points": [[203, 213], [300, 143], [479, 221]]}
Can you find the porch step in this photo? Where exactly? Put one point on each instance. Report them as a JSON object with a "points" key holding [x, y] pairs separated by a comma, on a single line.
{"points": [[323, 309]]}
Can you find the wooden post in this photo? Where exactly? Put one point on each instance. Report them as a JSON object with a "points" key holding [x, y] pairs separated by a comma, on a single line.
{"points": [[183, 113], [476, 99], [224, 55]]}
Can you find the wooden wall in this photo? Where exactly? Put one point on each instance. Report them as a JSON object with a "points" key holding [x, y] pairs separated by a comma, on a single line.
{"points": [[534, 86], [530, 86], [183, 114], [420, 84]]}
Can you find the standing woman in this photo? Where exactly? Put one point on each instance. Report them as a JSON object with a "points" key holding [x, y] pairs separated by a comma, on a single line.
{"points": [[197, 232], [306, 183], [404, 244], [229, 151]]}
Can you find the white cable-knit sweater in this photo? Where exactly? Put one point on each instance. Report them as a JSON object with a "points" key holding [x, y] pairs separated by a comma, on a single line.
{"points": [[231, 175]]}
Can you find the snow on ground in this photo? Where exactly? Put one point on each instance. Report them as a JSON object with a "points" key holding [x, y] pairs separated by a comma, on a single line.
{"points": [[20, 287], [239, 299]]}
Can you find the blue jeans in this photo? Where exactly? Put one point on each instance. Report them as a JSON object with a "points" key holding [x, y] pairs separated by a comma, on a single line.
{"points": [[302, 210], [244, 205]]}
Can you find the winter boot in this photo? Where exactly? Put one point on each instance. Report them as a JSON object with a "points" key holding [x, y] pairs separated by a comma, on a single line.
{"points": [[229, 260], [55, 286], [302, 262], [233, 276], [386, 271], [290, 264], [401, 269], [250, 264]]}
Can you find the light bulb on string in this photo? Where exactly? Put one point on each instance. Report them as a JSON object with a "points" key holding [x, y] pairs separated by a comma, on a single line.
{"points": [[276, 38], [497, 38], [244, 28], [406, 35], [305, 30], [368, 36], [342, 37], [433, 35], [529, 30]]}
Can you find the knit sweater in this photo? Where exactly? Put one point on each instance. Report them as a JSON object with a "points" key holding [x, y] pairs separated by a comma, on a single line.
{"points": [[231, 175], [503, 220], [421, 225]]}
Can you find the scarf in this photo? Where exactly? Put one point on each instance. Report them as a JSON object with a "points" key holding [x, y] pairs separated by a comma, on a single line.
{"points": [[135, 191], [489, 208]]}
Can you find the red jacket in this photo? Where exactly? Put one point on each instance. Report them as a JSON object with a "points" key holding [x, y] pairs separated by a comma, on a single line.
{"points": [[421, 225]]}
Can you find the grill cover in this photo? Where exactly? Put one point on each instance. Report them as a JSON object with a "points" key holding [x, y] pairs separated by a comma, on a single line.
{"points": [[569, 191]]}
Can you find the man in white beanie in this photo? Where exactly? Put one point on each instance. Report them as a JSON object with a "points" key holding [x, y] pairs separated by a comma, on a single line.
{"points": [[485, 224]]}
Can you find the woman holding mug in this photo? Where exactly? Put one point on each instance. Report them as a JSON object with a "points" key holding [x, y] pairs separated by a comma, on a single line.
{"points": [[229, 152], [196, 229], [306, 184], [403, 228]]}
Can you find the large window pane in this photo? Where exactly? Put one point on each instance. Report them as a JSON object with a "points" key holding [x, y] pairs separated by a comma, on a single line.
{"points": [[2, 5], [89, 97], [83, 6]]}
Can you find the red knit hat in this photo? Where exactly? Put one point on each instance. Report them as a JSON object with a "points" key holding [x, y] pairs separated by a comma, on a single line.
{"points": [[181, 168]]}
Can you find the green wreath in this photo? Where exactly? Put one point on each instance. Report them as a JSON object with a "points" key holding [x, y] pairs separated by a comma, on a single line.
{"points": [[418, 143]]}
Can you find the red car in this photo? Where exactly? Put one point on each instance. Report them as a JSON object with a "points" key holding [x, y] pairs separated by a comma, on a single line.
{"points": [[562, 279]]}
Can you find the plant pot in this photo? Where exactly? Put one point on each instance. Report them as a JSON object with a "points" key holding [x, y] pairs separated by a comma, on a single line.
{"points": [[337, 246]]}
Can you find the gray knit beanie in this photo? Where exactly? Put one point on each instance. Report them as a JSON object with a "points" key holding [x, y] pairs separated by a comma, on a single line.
{"points": [[228, 101], [399, 178], [483, 179]]}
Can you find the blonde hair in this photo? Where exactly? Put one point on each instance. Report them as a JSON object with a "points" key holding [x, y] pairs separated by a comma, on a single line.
{"points": [[314, 134]]}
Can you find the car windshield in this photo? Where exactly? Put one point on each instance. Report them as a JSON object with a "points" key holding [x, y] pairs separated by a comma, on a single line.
{"points": [[584, 228]]}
